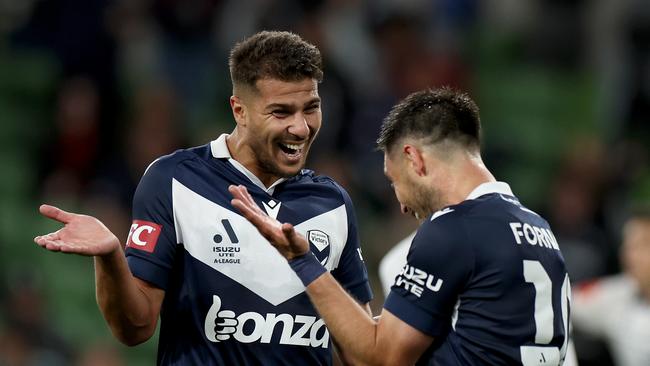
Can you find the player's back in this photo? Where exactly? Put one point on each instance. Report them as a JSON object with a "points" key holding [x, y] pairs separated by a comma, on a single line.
{"points": [[496, 282], [515, 302]]}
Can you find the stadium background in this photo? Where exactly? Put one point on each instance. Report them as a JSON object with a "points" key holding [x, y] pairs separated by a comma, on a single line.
{"points": [[91, 91]]}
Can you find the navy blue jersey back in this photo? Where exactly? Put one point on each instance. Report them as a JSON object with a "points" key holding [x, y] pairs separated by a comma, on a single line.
{"points": [[230, 298], [486, 279]]}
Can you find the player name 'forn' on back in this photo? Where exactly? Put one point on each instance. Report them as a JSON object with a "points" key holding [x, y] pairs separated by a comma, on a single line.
{"points": [[533, 235]]}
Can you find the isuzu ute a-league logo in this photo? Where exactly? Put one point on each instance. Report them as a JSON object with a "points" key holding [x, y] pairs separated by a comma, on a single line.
{"points": [[226, 248], [320, 245]]}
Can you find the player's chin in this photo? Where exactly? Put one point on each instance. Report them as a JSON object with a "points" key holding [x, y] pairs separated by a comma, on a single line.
{"points": [[289, 170], [292, 166]]}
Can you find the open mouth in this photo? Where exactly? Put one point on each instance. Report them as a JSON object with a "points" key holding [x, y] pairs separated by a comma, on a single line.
{"points": [[291, 149]]}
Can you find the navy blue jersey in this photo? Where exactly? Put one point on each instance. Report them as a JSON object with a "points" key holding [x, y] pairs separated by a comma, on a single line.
{"points": [[487, 280], [230, 297]]}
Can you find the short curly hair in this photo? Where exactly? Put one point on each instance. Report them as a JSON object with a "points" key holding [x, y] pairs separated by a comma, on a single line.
{"points": [[277, 55], [433, 115]]}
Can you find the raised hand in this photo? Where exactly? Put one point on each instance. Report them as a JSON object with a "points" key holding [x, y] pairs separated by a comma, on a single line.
{"points": [[282, 236], [82, 234]]}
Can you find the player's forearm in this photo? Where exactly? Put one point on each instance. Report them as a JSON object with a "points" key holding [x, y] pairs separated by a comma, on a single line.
{"points": [[343, 357], [124, 305], [353, 328]]}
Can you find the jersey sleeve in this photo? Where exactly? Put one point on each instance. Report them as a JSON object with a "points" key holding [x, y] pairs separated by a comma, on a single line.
{"points": [[351, 272], [438, 267], [151, 245]]}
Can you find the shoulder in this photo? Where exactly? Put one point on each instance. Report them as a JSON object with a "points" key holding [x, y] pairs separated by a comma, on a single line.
{"points": [[308, 179], [487, 214], [486, 206], [167, 164], [446, 223], [443, 233]]}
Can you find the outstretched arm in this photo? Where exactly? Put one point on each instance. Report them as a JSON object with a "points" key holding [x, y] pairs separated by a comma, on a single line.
{"points": [[389, 341], [129, 305]]}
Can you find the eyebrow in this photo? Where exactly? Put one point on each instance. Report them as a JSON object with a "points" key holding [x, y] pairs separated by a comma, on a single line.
{"points": [[292, 106]]}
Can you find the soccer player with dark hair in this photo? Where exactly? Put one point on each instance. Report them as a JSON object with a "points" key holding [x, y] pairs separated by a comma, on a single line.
{"points": [[484, 281], [224, 296]]}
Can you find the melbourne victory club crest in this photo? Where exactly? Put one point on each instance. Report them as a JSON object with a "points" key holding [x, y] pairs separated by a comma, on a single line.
{"points": [[320, 245]]}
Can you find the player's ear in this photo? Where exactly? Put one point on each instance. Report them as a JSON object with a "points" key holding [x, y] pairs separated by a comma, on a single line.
{"points": [[238, 110], [415, 159]]}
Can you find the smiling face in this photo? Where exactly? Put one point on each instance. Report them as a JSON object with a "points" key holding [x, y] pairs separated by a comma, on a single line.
{"points": [[277, 124]]}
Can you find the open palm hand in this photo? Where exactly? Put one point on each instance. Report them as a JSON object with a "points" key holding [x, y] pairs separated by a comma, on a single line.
{"points": [[81, 234], [282, 236]]}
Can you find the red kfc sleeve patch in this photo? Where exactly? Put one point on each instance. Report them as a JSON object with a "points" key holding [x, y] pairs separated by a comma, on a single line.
{"points": [[143, 235]]}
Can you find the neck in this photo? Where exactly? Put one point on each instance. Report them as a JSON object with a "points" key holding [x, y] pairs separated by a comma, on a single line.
{"points": [[244, 155], [466, 175]]}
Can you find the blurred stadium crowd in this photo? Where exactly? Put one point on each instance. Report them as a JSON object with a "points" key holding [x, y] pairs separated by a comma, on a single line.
{"points": [[91, 91]]}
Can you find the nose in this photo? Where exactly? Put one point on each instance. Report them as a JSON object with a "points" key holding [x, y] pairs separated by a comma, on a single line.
{"points": [[299, 126], [404, 209]]}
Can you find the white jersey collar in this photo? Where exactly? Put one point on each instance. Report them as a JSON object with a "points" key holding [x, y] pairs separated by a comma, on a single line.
{"points": [[490, 187], [220, 150]]}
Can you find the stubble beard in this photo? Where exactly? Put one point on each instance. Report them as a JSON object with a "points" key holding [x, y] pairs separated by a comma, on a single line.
{"points": [[268, 164], [426, 201]]}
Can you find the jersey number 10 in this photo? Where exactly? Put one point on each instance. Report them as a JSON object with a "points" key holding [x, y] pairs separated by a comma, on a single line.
{"points": [[539, 354]]}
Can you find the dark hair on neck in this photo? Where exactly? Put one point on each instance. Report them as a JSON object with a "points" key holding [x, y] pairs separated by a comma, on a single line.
{"points": [[276, 55], [433, 116]]}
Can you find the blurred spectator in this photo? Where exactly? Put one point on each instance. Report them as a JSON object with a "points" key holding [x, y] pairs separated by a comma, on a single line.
{"points": [[70, 159], [75, 32], [28, 338], [575, 211], [154, 130], [187, 55], [638, 110], [617, 308], [100, 354]]}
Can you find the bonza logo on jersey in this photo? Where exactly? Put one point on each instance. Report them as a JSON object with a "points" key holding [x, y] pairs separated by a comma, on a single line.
{"points": [[143, 235], [249, 327]]}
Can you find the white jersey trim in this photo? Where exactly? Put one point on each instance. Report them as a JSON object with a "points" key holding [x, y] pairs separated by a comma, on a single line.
{"points": [[490, 187], [255, 265], [220, 150]]}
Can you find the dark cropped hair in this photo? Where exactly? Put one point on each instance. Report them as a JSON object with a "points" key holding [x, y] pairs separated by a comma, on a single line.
{"points": [[278, 55], [434, 116]]}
